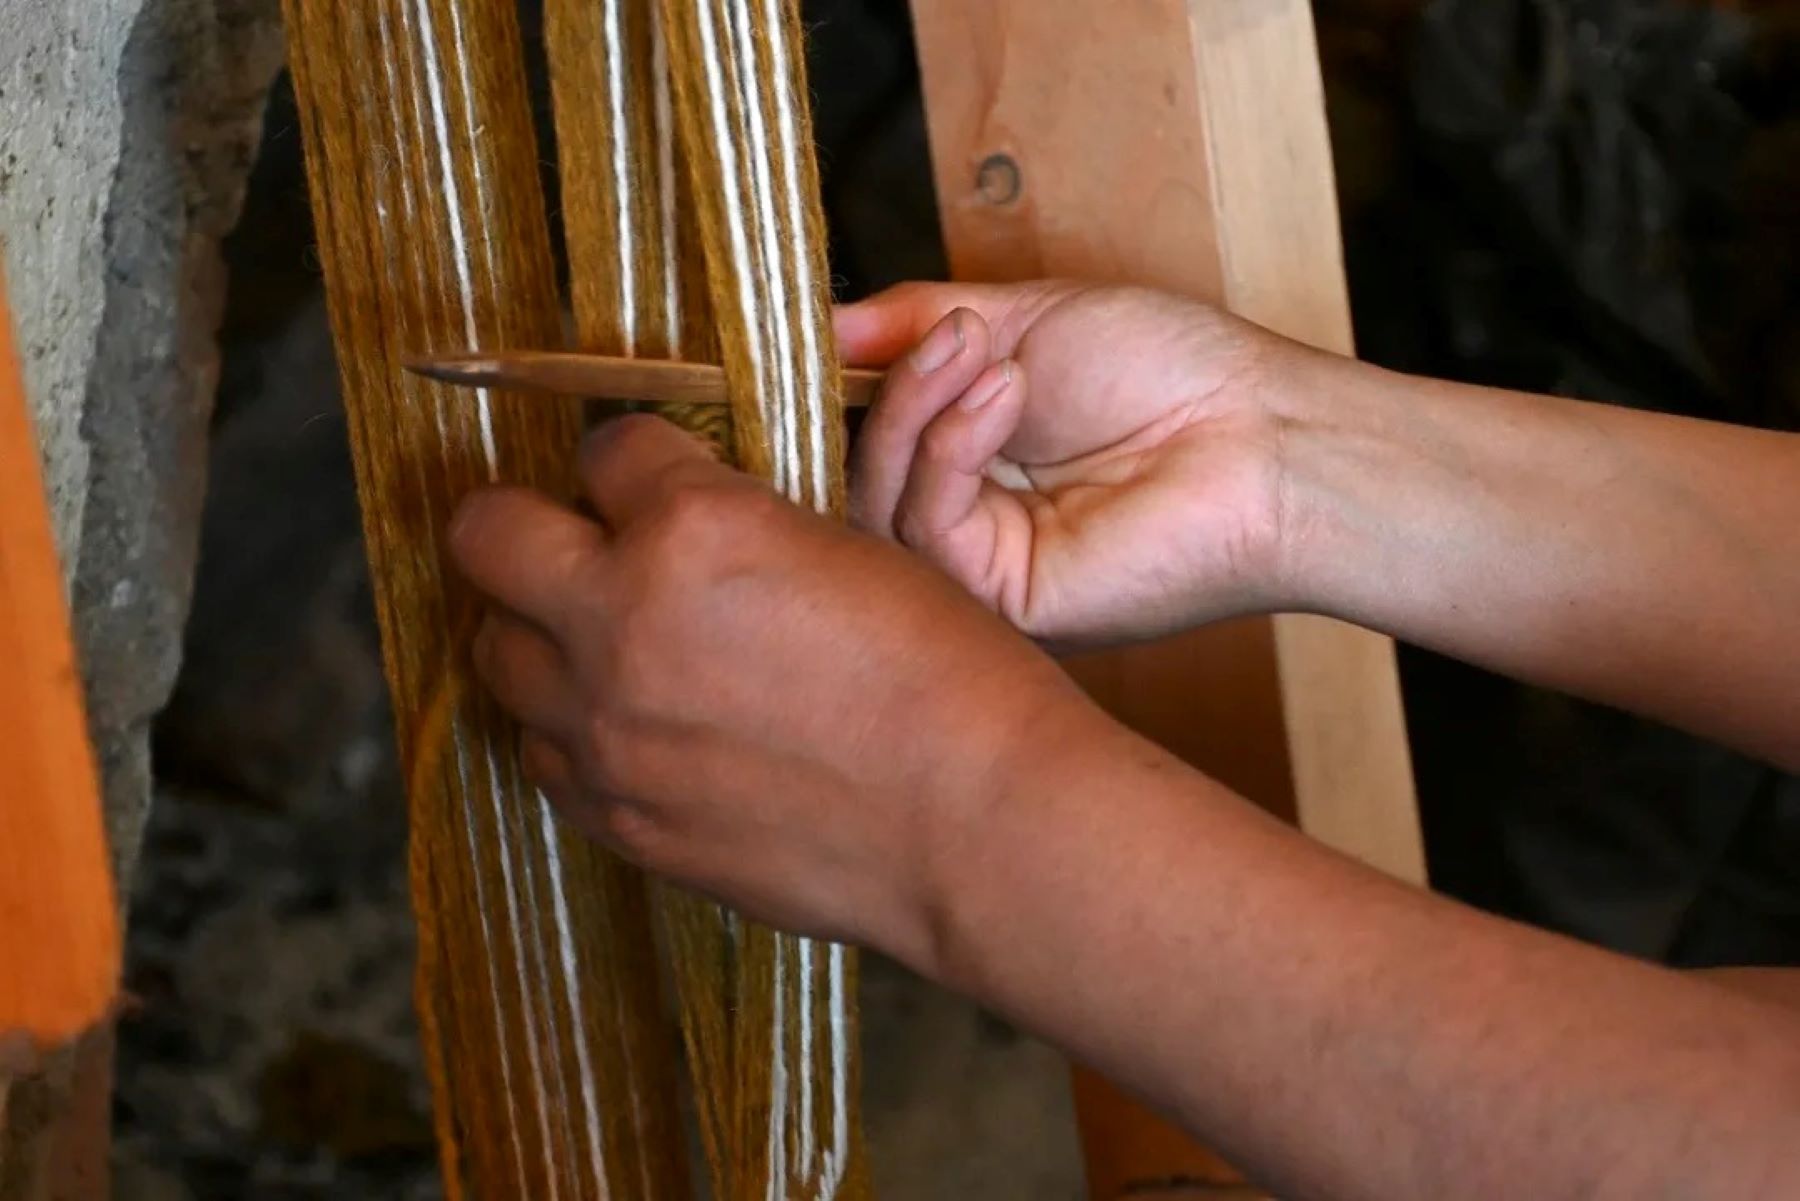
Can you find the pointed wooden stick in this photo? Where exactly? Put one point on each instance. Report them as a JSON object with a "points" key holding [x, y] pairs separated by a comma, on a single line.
{"points": [[603, 377]]}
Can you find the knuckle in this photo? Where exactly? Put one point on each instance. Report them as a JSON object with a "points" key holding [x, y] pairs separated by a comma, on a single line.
{"points": [[542, 763], [570, 563], [705, 517], [692, 512], [613, 441], [474, 523], [912, 529], [631, 829], [633, 667], [940, 444], [606, 764]]}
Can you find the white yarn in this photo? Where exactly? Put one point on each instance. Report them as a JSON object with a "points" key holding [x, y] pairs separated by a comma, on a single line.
{"points": [[789, 131], [805, 1156], [528, 1011], [565, 944], [784, 435], [487, 944], [837, 1161], [459, 238], [408, 200], [665, 180], [797, 401], [734, 204], [778, 1083], [615, 90], [474, 131], [540, 987]]}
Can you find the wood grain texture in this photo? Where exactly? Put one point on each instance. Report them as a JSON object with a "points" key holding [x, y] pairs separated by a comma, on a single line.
{"points": [[1181, 144], [59, 929]]}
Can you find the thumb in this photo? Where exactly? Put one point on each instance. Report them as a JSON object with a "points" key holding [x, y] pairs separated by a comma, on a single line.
{"points": [[942, 513], [877, 331]]}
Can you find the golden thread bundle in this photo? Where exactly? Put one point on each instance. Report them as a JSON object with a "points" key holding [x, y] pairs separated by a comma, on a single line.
{"points": [[690, 197]]}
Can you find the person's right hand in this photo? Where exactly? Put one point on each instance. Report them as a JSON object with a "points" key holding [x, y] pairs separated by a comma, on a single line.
{"points": [[1098, 465]]}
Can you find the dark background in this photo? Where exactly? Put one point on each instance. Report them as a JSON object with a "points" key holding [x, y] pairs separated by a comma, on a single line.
{"points": [[1600, 199]]}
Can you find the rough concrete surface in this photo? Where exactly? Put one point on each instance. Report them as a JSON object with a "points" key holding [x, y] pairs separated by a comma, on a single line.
{"points": [[59, 147]]}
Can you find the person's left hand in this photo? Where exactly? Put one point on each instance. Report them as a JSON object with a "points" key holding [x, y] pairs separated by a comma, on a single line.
{"points": [[788, 715]]}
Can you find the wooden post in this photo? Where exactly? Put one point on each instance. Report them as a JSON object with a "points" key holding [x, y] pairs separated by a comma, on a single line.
{"points": [[1181, 144]]}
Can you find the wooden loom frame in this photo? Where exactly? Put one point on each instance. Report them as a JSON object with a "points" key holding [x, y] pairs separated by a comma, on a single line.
{"points": [[1181, 144]]}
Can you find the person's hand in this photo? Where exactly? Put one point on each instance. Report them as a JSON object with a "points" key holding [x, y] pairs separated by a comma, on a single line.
{"points": [[1095, 464], [789, 715]]}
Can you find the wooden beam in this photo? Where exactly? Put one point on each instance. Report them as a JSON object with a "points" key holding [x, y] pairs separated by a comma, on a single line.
{"points": [[1181, 144]]}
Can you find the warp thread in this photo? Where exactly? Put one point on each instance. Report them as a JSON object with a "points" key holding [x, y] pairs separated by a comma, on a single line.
{"points": [[547, 1034], [547, 1041]]}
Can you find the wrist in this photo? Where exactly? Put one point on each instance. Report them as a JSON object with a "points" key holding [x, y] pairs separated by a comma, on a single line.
{"points": [[1339, 465], [970, 826], [995, 858]]}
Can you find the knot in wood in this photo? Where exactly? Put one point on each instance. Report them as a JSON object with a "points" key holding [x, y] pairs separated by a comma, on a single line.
{"points": [[999, 180]]}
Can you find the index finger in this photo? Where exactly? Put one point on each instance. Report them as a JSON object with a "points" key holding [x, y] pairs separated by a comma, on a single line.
{"points": [[630, 463], [527, 552]]}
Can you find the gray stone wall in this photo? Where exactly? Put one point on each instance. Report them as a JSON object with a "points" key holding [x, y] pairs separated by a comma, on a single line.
{"points": [[127, 129], [60, 127]]}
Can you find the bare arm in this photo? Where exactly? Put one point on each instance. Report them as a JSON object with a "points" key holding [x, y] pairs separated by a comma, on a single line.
{"points": [[1341, 1035], [1780, 985], [1157, 464], [1640, 560], [815, 727], [928, 783]]}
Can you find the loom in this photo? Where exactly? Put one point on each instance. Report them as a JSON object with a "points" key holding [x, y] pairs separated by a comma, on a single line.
{"points": [[573, 1010]]}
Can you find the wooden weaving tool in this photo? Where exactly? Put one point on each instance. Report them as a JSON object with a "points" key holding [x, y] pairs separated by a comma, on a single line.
{"points": [[607, 377]]}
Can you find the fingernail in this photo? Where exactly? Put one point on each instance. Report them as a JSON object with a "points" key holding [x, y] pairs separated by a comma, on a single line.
{"points": [[988, 388], [941, 345]]}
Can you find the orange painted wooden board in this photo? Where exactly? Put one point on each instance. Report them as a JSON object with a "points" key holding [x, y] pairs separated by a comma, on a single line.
{"points": [[59, 937], [1181, 144]]}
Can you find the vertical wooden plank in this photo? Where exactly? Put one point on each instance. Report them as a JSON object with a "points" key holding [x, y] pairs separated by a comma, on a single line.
{"points": [[59, 923], [1181, 144], [59, 936]]}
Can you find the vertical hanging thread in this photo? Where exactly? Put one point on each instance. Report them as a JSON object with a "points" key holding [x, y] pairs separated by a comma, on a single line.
{"points": [[550, 1054], [537, 984], [738, 83]]}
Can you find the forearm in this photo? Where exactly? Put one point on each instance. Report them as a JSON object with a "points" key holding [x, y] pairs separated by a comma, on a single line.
{"points": [[1338, 1034], [1639, 560], [1778, 985]]}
